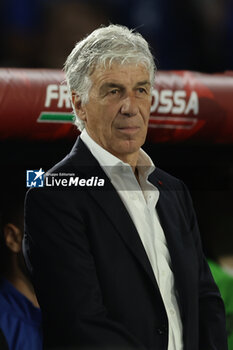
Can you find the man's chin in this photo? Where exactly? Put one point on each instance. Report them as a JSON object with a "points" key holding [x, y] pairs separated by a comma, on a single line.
{"points": [[126, 149], [131, 145]]}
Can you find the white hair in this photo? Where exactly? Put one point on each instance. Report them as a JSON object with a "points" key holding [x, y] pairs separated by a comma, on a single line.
{"points": [[105, 45]]}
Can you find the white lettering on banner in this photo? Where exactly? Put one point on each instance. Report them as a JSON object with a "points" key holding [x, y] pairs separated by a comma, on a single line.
{"points": [[193, 103], [59, 93], [63, 97], [51, 94], [166, 101], [174, 102], [179, 101]]}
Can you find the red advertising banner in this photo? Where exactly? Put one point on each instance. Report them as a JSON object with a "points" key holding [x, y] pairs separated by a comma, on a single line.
{"points": [[186, 105]]}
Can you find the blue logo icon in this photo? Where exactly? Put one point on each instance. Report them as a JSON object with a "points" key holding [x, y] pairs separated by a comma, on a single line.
{"points": [[35, 178]]}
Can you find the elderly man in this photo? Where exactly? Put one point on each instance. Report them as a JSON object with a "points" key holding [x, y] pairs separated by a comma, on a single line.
{"points": [[120, 266]]}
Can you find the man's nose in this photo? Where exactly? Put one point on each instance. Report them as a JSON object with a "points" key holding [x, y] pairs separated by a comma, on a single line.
{"points": [[129, 106]]}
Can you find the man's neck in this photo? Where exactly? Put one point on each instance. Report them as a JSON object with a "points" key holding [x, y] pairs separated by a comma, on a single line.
{"points": [[130, 159]]}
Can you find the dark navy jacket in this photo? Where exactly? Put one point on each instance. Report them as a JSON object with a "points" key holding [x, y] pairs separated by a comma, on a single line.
{"points": [[93, 279]]}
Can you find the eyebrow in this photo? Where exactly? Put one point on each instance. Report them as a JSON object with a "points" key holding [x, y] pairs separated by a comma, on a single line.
{"points": [[145, 82]]}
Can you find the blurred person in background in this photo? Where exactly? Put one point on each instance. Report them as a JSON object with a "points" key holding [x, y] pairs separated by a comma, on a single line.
{"points": [[215, 216], [20, 315], [222, 270]]}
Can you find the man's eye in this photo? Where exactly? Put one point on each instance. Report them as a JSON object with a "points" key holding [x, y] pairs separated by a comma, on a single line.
{"points": [[141, 90], [114, 92]]}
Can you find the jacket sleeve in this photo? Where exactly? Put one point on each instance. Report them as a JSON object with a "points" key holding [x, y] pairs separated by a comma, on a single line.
{"points": [[212, 323], [58, 255]]}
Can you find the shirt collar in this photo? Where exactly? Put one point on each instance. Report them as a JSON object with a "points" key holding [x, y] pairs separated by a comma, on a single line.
{"points": [[112, 164]]}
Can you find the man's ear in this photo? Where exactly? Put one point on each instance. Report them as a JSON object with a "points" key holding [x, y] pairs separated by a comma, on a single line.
{"points": [[13, 237], [80, 111]]}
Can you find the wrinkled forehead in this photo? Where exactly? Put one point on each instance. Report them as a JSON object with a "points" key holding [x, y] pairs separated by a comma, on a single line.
{"points": [[120, 71]]}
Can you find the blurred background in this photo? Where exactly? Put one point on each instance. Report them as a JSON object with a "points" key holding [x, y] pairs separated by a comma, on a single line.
{"points": [[192, 35]]}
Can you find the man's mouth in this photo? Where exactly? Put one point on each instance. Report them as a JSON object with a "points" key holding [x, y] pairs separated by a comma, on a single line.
{"points": [[128, 129]]}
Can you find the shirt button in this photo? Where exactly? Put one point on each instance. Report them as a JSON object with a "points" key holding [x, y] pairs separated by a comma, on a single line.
{"points": [[162, 330], [172, 312]]}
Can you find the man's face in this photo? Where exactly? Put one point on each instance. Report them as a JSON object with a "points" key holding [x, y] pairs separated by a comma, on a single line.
{"points": [[117, 113]]}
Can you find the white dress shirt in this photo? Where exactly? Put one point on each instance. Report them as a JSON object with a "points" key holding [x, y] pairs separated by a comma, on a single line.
{"points": [[140, 202]]}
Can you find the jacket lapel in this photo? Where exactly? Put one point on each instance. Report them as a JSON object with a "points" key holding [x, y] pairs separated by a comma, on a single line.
{"points": [[109, 200]]}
